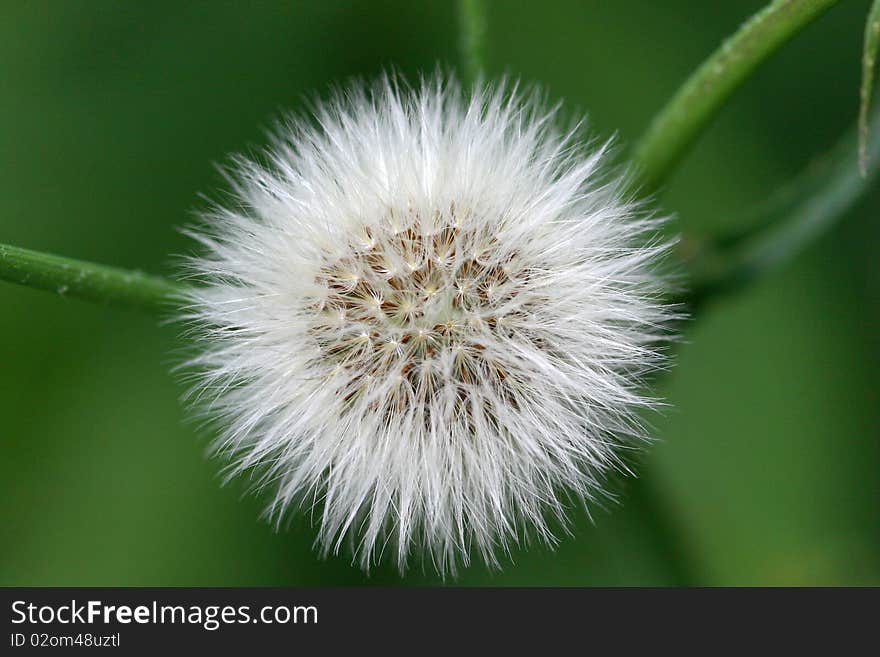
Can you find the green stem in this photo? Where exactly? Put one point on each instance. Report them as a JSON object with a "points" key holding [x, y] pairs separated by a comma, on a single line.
{"points": [[86, 280], [821, 201], [472, 24], [869, 60], [699, 99]]}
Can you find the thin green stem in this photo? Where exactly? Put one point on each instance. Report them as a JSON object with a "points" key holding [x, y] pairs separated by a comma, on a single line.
{"points": [[473, 25], [819, 202], [86, 280], [700, 98], [869, 61]]}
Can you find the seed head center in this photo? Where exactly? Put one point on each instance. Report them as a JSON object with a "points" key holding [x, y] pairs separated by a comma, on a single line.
{"points": [[414, 305]]}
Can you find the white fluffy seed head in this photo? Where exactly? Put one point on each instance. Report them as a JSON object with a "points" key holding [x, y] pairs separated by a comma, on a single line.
{"points": [[426, 316]]}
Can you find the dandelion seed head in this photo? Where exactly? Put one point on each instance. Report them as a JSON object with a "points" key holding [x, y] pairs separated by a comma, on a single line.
{"points": [[426, 316]]}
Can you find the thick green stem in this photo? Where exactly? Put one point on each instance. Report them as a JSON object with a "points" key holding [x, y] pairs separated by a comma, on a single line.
{"points": [[86, 280], [703, 94], [472, 25]]}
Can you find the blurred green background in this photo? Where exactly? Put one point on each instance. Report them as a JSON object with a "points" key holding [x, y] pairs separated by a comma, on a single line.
{"points": [[111, 115]]}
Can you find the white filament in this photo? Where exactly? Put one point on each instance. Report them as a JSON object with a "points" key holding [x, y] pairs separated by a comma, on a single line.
{"points": [[427, 316]]}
